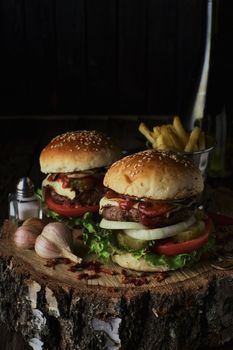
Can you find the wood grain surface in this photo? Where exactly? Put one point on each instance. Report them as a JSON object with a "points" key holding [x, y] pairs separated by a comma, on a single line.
{"points": [[61, 275], [200, 295]]}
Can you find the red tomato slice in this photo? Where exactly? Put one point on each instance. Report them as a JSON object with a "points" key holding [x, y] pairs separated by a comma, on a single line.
{"points": [[171, 248], [67, 210]]}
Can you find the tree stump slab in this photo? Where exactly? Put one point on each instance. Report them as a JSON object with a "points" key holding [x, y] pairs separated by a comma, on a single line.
{"points": [[54, 306]]}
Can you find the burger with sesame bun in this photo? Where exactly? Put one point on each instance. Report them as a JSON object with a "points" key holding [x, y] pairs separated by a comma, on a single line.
{"points": [[75, 164], [151, 220]]}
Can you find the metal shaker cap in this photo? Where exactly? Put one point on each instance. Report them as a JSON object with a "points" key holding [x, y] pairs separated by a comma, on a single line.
{"points": [[24, 188]]}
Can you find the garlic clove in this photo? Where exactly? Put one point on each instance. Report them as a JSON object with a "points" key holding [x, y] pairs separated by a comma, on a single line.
{"points": [[25, 237], [55, 241], [35, 222], [46, 249], [65, 253], [59, 233]]}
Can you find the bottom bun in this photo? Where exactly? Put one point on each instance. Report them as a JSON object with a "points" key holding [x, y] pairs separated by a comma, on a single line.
{"points": [[128, 261]]}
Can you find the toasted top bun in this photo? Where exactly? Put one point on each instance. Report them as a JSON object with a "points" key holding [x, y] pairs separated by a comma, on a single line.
{"points": [[78, 151], [157, 175], [128, 261]]}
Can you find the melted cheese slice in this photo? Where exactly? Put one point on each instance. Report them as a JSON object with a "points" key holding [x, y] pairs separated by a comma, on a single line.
{"points": [[57, 186], [105, 202]]}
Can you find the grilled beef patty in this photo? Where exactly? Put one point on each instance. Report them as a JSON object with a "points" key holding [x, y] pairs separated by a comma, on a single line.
{"points": [[85, 198], [115, 213]]}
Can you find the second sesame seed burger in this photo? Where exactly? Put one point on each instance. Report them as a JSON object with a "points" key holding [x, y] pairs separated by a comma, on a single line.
{"points": [[75, 164], [150, 215]]}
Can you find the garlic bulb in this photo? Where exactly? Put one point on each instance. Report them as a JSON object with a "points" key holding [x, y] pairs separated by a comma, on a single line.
{"points": [[35, 222], [55, 241], [25, 237]]}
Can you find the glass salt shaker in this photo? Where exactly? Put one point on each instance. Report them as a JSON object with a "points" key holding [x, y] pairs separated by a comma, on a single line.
{"points": [[23, 203]]}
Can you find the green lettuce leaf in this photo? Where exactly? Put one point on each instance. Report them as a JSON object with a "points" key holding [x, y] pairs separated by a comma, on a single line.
{"points": [[69, 221], [39, 194], [99, 240], [102, 243]]}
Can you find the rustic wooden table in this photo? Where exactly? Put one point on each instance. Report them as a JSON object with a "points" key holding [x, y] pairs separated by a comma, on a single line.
{"points": [[21, 141]]}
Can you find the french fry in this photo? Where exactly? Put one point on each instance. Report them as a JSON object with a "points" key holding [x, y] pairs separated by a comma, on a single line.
{"points": [[174, 137], [201, 141], [160, 143], [154, 145], [156, 131], [193, 139], [166, 137], [180, 130], [177, 142], [146, 132]]}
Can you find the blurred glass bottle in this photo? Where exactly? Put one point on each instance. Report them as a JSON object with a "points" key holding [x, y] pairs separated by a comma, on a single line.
{"points": [[220, 126], [208, 109], [217, 120], [198, 105]]}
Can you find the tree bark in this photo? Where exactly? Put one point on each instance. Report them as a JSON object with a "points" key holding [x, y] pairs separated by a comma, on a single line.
{"points": [[52, 309]]}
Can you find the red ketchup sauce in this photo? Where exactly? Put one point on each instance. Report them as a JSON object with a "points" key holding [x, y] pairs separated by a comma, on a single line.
{"points": [[125, 202], [62, 178], [151, 213], [89, 181]]}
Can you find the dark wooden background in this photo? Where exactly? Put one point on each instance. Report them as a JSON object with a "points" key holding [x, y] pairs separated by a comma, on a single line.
{"points": [[109, 56]]}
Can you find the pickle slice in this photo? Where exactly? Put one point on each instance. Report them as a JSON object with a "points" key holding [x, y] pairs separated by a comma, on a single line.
{"points": [[124, 240], [191, 233]]}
